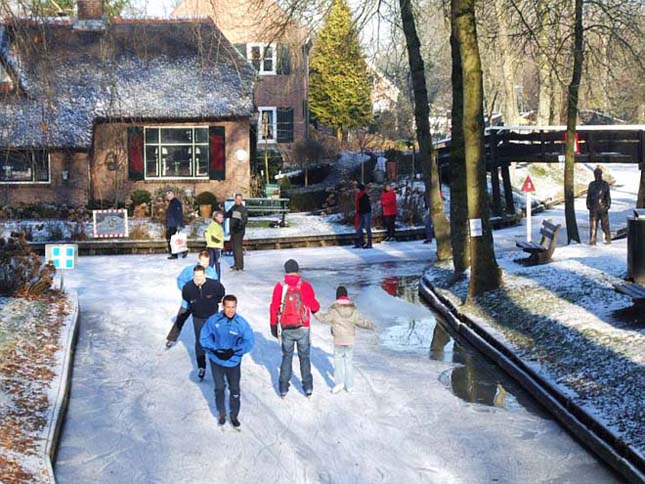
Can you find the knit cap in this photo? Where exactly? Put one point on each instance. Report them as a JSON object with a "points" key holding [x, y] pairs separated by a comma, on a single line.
{"points": [[291, 267], [341, 291]]}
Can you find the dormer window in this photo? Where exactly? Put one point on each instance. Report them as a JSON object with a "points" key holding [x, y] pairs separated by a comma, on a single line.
{"points": [[263, 58]]}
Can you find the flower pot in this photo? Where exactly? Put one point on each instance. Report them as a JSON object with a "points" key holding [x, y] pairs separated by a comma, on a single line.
{"points": [[205, 211]]}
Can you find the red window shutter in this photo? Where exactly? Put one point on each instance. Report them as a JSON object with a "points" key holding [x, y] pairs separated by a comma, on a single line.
{"points": [[217, 169], [135, 153]]}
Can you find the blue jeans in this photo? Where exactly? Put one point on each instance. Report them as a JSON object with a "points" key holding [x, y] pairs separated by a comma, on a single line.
{"points": [[221, 376], [215, 255], [343, 367], [291, 337], [364, 223]]}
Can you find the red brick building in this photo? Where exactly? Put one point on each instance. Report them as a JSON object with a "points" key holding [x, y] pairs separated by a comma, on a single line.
{"points": [[92, 110], [279, 53]]}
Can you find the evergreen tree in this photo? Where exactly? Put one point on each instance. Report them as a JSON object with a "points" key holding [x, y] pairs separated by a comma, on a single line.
{"points": [[339, 85]]}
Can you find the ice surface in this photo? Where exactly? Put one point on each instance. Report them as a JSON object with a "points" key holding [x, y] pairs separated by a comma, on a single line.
{"points": [[137, 413]]}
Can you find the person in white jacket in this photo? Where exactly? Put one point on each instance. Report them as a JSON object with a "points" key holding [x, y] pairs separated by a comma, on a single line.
{"points": [[343, 317]]}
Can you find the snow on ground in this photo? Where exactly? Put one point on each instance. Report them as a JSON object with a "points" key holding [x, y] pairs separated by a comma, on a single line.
{"points": [[565, 318], [137, 413]]}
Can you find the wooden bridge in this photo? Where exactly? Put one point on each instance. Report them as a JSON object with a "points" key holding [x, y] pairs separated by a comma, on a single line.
{"points": [[545, 144]]}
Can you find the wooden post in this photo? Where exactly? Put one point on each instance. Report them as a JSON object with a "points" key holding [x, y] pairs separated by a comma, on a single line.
{"points": [[508, 189]]}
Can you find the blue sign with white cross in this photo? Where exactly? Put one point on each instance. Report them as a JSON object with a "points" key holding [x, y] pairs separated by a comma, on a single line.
{"points": [[62, 256]]}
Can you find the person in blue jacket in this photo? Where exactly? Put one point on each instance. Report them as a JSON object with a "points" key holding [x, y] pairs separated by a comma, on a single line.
{"points": [[184, 277], [226, 337]]}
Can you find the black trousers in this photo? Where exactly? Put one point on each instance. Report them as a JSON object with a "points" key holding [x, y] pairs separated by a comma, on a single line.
{"points": [[170, 231], [199, 351], [596, 216], [232, 377], [388, 221], [238, 251], [181, 318]]}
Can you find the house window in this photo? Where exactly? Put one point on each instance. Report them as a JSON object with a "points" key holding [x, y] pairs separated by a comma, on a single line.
{"points": [[263, 57], [176, 152], [24, 166], [267, 125]]}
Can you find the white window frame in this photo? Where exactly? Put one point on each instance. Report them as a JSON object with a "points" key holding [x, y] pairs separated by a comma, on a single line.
{"points": [[274, 125], [159, 145], [33, 182], [262, 47]]}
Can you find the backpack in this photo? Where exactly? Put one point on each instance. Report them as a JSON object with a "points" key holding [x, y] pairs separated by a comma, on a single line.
{"points": [[293, 312]]}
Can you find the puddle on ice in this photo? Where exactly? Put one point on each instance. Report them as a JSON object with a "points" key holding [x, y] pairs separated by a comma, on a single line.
{"points": [[473, 378]]}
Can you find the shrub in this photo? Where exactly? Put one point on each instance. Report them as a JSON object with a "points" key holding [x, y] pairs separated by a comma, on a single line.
{"points": [[21, 270], [206, 198], [140, 197]]}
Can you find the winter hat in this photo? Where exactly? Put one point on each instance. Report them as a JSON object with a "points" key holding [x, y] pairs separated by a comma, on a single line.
{"points": [[341, 291], [291, 267]]}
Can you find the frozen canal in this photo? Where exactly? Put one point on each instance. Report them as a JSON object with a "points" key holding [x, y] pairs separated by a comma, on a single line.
{"points": [[424, 409]]}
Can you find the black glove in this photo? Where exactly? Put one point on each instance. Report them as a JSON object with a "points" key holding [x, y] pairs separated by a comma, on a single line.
{"points": [[274, 330], [224, 354]]}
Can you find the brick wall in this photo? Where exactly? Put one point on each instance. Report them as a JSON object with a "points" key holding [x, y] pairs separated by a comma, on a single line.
{"points": [[110, 147], [90, 9], [71, 191]]}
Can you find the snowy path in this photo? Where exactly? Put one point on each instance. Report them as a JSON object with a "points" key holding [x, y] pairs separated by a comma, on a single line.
{"points": [[138, 415]]}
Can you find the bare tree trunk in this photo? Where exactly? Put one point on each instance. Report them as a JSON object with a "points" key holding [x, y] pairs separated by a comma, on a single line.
{"points": [[572, 112], [485, 275], [422, 118], [510, 110], [458, 196]]}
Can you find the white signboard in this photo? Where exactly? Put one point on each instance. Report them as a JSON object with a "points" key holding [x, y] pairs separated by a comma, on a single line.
{"points": [[475, 227], [62, 256]]}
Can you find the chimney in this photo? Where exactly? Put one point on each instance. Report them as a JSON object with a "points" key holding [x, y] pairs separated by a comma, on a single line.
{"points": [[90, 16], [90, 9]]}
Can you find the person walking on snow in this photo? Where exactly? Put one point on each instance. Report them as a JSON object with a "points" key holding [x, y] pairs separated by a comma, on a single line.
{"points": [[239, 215], [343, 317], [215, 242], [598, 203], [226, 337], [291, 306], [174, 220], [388, 203], [203, 297], [364, 211], [184, 277]]}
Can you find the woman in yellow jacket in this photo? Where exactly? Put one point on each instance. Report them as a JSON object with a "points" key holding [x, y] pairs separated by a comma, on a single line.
{"points": [[215, 242]]}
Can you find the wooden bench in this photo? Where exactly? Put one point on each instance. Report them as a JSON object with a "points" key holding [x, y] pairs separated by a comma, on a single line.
{"points": [[635, 291], [541, 253], [269, 206]]}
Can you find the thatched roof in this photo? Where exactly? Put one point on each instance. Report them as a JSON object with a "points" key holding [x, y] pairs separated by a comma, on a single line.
{"points": [[68, 79]]}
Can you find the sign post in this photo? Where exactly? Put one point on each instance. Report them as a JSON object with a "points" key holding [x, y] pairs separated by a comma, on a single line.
{"points": [[528, 188], [63, 257]]}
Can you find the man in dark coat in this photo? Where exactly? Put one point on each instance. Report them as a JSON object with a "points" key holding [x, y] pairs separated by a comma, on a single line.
{"points": [[174, 220], [364, 211], [239, 215], [203, 296], [598, 203]]}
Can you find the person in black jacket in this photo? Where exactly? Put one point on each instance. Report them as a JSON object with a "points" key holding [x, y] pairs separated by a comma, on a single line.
{"points": [[598, 203], [174, 220], [203, 297], [364, 210], [239, 215]]}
